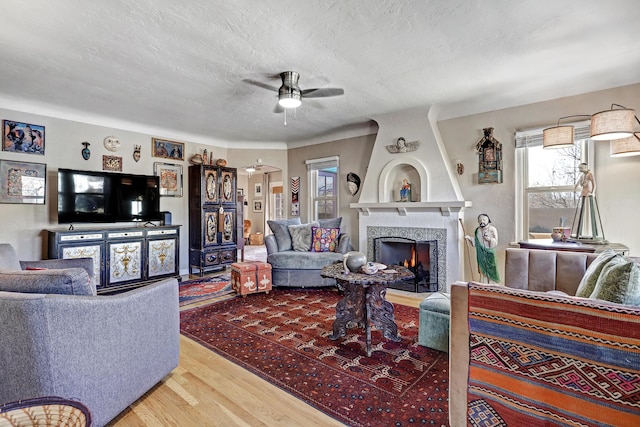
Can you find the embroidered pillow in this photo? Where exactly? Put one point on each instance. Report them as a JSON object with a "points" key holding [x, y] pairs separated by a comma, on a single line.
{"points": [[588, 282], [325, 239], [301, 236], [619, 282]]}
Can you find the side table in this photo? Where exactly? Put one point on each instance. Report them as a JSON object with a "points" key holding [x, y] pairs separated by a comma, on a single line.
{"points": [[364, 302]]}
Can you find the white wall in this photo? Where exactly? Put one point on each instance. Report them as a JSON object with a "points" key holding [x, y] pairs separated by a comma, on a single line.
{"points": [[24, 225], [618, 179]]}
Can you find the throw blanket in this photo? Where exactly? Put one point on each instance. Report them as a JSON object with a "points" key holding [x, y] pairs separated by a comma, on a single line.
{"points": [[539, 359]]}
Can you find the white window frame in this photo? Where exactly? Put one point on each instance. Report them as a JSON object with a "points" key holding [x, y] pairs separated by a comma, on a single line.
{"points": [[313, 166], [532, 138]]}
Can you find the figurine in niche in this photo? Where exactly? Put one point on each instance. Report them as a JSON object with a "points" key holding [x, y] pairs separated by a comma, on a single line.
{"points": [[405, 191], [485, 239], [353, 183], [402, 146], [86, 153], [136, 153]]}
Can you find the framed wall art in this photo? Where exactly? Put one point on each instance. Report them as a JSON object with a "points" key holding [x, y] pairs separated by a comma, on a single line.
{"points": [[257, 205], [258, 189], [22, 182], [167, 149], [22, 137], [112, 163], [170, 179]]}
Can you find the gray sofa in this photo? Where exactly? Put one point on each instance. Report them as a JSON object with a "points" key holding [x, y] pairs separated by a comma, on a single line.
{"points": [[58, 338], [301, 268]]}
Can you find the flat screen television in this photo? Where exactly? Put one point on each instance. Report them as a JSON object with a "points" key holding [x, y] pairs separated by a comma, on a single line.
{"points": [[90, 196]]}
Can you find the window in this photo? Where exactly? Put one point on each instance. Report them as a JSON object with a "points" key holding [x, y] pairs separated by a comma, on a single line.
{"points": [[323, 187], [545, 180]]}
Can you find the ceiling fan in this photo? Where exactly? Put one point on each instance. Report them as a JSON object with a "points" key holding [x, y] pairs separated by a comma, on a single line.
{"points": [[290, 95]]}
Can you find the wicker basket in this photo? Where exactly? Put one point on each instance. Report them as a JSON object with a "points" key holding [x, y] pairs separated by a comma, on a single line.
{"points": [[44, 411]]}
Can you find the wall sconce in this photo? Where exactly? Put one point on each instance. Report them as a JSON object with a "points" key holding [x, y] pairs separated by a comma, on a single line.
{"points": [[615, 125]]}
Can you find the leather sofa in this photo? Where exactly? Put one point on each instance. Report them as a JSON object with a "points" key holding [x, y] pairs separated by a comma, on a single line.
{"points": [[525, 271], [58, 338]]}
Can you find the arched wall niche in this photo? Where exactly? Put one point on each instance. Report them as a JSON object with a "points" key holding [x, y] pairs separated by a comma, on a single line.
{"points": [[394, 172]]}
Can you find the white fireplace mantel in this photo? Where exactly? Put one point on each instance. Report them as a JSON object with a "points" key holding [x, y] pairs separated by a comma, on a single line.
{"points": [[403, 208]]}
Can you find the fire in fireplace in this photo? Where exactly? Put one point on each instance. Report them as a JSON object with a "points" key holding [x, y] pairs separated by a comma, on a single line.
{"points": [[418, 256]]}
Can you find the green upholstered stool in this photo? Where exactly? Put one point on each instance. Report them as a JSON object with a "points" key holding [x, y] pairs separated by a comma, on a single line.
{"points": [[434, 322]]}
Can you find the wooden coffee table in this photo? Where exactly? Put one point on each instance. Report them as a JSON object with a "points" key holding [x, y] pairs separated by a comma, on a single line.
{"points": [[364, 302]]}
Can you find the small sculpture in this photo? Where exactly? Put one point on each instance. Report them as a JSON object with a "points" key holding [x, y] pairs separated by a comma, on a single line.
{"points": [[405, 191], [86, 153], [402, 146], [136, 152], [353, 183], [485, 239], [353, 261]]}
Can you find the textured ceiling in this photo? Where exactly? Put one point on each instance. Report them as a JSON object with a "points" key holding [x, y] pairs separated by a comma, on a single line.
{"points": [[180, 69]]}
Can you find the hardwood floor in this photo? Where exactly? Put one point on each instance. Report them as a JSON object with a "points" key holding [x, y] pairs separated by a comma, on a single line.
{"points": [[208, 390]]}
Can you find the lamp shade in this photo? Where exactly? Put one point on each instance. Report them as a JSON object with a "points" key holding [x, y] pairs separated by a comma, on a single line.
{"points": [[625, 147], [612, 124], [289, 97], [558, 137]]}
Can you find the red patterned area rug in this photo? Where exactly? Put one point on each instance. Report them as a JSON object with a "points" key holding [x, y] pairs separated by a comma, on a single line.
{"points": [[197, 290], [283, 338]]}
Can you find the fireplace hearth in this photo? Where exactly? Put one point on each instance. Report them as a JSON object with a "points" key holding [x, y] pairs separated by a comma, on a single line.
{"points": [[416, 255]]}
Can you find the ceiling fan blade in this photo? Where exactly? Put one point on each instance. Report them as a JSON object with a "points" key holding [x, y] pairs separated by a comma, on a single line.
{"points": [[260, 84], [322, 92]]}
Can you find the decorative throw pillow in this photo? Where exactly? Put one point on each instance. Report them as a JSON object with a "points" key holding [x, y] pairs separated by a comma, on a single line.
{"points": [[588, 282], [331, 222], [64, 281], [324, 239], [619, 282], [301, 236], [280, 229]]}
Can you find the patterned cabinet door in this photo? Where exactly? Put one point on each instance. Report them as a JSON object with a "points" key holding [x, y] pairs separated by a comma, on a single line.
{"points": [[228, 219], [228, 186], [162, 257], [210, 227], [93, 251], [210, 186], [125, 261]]}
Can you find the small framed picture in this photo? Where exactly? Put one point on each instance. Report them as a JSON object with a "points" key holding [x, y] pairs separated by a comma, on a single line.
{"points": [[257, 205], [170, 179], [22, 137], [112, 163], [167, 149], [22, 182], [258, 190]]}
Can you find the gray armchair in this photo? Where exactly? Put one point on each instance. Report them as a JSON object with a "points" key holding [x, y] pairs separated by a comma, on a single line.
{"points": [[103, 351]]}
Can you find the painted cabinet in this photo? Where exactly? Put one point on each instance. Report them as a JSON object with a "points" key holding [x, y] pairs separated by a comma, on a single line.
{"points": [[213, 217], [123, 258]]}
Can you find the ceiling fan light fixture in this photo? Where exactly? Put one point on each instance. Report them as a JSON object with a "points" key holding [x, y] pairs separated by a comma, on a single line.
{"points": [[289, 97], [612, 124], [250, 169]]}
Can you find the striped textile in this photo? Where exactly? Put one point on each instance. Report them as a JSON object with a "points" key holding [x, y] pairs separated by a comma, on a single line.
{"points": [[542, 360]]}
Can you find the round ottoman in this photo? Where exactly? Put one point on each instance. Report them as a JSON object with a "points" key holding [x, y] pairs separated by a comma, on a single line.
{"points": [[434, 322]]}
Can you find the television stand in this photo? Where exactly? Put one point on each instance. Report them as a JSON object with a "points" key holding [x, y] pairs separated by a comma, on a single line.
{"points": [[123, 257]]}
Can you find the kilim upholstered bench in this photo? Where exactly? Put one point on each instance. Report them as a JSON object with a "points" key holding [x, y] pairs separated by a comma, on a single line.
{"points": [[251, 277]]}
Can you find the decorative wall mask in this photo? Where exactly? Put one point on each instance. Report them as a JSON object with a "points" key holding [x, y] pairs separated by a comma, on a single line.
{"points": [[86, 153], [136, 152], [490, 161], [111, 143], [402, 146], [353, 183]]}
